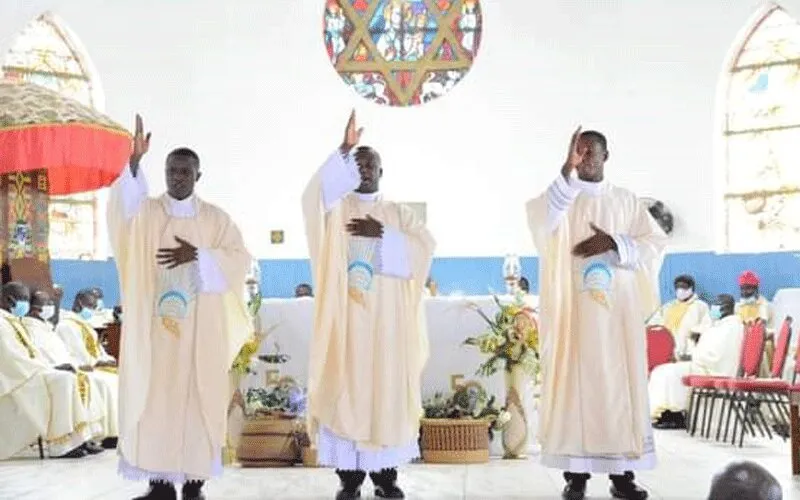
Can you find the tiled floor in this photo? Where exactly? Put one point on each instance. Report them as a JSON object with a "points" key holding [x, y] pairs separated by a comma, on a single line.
{"points": [[684, 472]]}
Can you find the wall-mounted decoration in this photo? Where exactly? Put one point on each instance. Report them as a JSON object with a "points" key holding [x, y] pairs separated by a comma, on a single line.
{"points": [[661, 214], [402, 52], [276, 236]]}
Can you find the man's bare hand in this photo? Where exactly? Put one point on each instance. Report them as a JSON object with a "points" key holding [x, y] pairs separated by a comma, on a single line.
{"points": [[575, 154], [141, 145], [352, 134]]}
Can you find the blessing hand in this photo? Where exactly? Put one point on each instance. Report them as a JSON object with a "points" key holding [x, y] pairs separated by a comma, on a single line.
{"points": [[184, 253], [368, 228], [598, 243]]}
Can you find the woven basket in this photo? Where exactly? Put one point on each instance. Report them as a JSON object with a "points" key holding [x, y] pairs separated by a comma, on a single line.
{"points": [[455, 441], [269, 441]]}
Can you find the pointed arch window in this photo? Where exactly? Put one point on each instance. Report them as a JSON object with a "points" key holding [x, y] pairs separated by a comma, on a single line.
{"points": [[761, 134], [47, 54]]}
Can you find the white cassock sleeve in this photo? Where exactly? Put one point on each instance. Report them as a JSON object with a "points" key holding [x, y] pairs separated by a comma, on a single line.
{"points": [[560, 196], [339, 177], [393, 254], [643, 244], [212, 280], [134, 191]]}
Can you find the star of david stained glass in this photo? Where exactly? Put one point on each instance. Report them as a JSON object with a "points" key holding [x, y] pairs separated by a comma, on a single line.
{"points": [[402, 52]]}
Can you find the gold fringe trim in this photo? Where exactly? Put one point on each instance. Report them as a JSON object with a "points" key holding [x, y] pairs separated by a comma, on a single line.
{"points": [[84, 389]]}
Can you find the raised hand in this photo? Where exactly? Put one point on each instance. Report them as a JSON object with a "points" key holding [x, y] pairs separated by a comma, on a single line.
{"points": [[352, 134], [575, 154], [598, 243], [171, 258], [368, 228], [141, 144]]}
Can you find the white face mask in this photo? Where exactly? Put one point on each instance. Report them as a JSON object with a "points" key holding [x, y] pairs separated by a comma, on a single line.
{"points": [[683, 293], [252, 290], [48, 312]]}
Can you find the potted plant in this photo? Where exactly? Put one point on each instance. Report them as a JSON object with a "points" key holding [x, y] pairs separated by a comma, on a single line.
{"points": [[511, 344], [457, 428], [275, 418]]}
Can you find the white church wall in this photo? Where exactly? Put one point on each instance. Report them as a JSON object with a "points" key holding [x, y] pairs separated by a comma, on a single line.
{"points": [[248, 85]]}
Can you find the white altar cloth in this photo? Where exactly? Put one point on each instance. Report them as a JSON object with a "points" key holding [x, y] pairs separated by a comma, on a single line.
{"points": [[450, 320]]}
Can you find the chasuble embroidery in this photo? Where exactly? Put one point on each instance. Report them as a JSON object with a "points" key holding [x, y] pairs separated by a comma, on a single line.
{"points": [[361, 253], [597, 279], [178, 289]]}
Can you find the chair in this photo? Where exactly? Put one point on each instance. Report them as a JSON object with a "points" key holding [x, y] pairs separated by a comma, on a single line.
{"points": [[660, 347], [745, 396], [704, 387]]}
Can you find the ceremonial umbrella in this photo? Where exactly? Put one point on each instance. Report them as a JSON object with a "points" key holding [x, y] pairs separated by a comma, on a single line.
{"points": [[79, 148]]}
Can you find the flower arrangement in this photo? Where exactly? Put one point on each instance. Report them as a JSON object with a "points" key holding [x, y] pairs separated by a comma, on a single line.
{"points": [[468, 401], [512, 340], [285, 399], [241, 364], [276, 358]]}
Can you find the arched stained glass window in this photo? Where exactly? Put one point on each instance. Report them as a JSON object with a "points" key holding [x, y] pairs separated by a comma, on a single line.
{"points": [[761, 134], [45, 53]]}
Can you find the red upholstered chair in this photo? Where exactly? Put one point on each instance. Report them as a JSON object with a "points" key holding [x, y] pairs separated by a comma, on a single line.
{"points": [[745, 397], [703, 387], [660, 347]]}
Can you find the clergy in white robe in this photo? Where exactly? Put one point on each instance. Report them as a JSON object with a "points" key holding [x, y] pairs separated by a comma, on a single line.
{"points": [[752, 305], [683, 315], [35, 399], [370, 260], [599, 249], [181, 263], [76, 330], [716, 353], [102, 394]]}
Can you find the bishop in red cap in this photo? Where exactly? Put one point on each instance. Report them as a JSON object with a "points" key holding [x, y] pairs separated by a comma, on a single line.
{"points": [[752, 305]]}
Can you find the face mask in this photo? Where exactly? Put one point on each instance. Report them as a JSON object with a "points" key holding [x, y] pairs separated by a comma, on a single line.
{"points": [[252, 290], [21, 308], [119, 317], [716, 312], [48, 312], [683, 293], [749, 300], [86, 313], [99, 306]]}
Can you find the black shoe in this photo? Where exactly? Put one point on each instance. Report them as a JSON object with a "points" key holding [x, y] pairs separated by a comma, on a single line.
{"points": [[93, 448], [193, 490], [78, 452], [159, 491], [624, 487], [351, 481], [575, 488], [109, 443], [385, 483]]}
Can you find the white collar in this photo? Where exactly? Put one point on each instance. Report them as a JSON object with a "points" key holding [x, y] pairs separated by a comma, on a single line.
{"points": [[590, 188], [182, 208], [376, 196]]}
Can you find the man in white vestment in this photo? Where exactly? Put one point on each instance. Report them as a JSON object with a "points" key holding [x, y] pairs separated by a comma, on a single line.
{"points": [[181, 264], [77, 329], [37, 400], [103, 385], [716, 353], [687, 312], [600, 252], [370, 259]]}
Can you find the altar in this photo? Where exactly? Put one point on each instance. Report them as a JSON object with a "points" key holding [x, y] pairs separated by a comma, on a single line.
{"points": [[450, 321]]}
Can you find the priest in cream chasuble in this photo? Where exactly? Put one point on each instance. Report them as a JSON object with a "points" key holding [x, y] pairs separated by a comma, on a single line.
{"points": [[181, 264], [600, 252], [370, 260]]}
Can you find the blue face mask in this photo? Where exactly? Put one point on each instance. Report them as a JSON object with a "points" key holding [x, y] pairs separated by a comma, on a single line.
{"points": [[100, 305], [21, 308], [716, 312], [86, 313]]}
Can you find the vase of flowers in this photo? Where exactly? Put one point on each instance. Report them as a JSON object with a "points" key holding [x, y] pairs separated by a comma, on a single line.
{"points": [[511, 344]]}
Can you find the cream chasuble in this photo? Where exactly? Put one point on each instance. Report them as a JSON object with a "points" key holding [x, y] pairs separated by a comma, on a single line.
{"points": [[716, 353], [81, 340], [369, 344], [39, 400], [680, 317], [751, 311], [103, 386], [594, 415], [182, 331]]}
